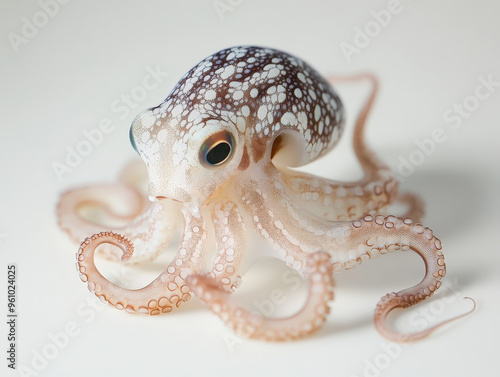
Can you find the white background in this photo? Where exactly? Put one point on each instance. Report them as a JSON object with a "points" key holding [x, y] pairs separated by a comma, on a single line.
{"points": [[65, 79]]}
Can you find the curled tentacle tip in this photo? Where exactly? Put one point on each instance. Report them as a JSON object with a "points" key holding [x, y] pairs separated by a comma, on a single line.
{"points": [[453, 319], [128, 252], [126, 256], [407, 338], [123, 243], [473, 307], [112, 238], [129, 249]]}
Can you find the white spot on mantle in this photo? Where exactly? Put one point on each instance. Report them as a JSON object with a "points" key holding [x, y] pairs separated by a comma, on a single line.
{"points": [[210, 94]]}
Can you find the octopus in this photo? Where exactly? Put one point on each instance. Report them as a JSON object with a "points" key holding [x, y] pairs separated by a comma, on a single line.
{"points": [[221, 153]]}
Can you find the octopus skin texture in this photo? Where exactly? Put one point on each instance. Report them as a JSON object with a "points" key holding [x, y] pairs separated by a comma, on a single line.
{"points": [[220, 152]]}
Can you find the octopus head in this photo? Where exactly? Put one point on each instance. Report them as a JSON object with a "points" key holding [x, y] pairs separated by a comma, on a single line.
{"points": [[187, 164], [237, 109]]}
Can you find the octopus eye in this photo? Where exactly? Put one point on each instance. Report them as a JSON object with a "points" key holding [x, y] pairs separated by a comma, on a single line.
{"points": [[217, 149], [132, 140]]}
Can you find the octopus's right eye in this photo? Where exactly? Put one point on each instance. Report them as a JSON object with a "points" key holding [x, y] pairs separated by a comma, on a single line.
{"points": [[132, 140], [217, 149]]}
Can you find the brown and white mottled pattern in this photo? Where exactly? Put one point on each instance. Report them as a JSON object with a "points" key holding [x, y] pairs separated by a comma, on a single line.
{"points": [[219, 152]]}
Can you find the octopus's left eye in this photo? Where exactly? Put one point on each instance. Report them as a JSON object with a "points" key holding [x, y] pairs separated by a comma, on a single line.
{"points": [[217, 149], [132, 140]]}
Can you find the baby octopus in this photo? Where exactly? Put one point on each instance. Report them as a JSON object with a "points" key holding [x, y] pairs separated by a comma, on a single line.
{"points": [[219, 153]]}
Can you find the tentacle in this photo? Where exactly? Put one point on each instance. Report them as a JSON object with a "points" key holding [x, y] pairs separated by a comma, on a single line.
{"points": [[416, 206], [135, 174], [151, 231], [109, 198], [396, 300], [231, 232], [274, 219], [162, 295], [372, 236], [297, 232], [252, 324], [338, 201], [368, 160], [121, 203], [150, 225], [152, 299]]}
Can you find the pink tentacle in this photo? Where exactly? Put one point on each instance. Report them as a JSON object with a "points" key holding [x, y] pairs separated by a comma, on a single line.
{"points": [[135, 174], [168, 290], [231, 244], [72, 203], [377, 235], [151, 231], [253, 325], [162, 295], [369, 162], [343, 201], [416, 206], [349, 243], [340, 201]]}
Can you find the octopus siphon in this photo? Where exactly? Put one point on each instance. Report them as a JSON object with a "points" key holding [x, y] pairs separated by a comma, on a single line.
{"points": [[221, 153]]}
